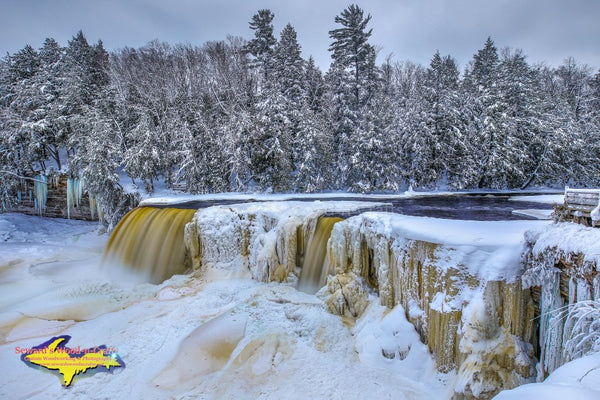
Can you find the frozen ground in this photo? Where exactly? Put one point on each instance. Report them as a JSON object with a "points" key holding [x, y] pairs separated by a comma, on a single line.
{"points": [[188, 337], [577, 380], [224, 338]]}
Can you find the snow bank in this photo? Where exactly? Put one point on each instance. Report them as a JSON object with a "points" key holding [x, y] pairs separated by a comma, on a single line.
{"points": [[191, 337], [569, 238], [578, 379], [542, 198]]}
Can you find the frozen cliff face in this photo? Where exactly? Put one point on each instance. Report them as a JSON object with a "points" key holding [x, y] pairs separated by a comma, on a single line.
{"points": [[459, 282], [267, 239], [562, 269]]}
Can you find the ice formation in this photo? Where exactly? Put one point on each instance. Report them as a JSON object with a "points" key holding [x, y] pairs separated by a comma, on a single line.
{"points": [[464, 298], [269, 239], [562, 269], [460, 283], [74, 195], [41, 193]]}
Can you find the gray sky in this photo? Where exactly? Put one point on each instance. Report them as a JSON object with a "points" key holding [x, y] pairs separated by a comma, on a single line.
{"points": [[546, 30]]}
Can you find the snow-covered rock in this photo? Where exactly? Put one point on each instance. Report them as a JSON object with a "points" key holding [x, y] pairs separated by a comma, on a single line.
{"points": [[459, 281]]}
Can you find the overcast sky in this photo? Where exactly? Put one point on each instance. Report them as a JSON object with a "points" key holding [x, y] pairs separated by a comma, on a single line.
{"points": [[546, 30]]}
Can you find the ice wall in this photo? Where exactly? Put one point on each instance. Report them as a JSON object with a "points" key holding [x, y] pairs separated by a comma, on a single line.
{"points": [[462, 293], [562, 270], [267, 239]]}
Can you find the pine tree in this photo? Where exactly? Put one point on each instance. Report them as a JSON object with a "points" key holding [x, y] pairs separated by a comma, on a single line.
{"points": [[314, 153], [46, 124], [352, 81], [439, 137], [352, 52], [21, 102], [262, 46], [482, 79], [288, 67], [314, 86], [271, 144], [522, 122]]}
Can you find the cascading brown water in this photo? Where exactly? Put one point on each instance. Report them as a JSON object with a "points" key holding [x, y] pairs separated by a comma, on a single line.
{"points": [[150, 240], [315, 266]]}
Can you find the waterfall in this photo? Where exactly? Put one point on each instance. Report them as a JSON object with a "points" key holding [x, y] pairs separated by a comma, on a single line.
{"points": [[150, 240], [315, 266]]}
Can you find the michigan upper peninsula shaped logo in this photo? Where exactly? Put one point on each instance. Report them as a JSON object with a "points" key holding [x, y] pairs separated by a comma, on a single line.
{"points": [[70, 362]]}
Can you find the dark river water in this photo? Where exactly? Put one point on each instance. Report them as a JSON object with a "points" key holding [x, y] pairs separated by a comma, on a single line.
{"points": [[478, 207]]}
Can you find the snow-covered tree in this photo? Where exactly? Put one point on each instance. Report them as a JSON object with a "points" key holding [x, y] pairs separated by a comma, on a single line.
{"points": [[352, 80], [288, 66], [261, 47], [437, 140], [271, 143]]}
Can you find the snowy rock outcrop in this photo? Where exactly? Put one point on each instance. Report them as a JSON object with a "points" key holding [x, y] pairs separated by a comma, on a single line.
{"points": [[459, 283]]}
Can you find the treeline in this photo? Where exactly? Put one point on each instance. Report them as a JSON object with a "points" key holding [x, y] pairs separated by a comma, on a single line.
{"points": [[238, 115]]}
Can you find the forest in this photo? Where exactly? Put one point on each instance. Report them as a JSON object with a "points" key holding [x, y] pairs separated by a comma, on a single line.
{"points": [[251, 114]]}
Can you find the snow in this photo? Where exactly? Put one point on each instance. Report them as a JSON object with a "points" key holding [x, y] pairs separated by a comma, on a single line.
{"points": [[190, 337], [537, 214], [570, 238], [164, 196], [578, 379], [224, 335], [492, 248], [266, 231], [542, 198]]}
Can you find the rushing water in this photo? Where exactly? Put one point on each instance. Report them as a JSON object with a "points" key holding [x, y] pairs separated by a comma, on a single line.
{"points": [[314, 268]]}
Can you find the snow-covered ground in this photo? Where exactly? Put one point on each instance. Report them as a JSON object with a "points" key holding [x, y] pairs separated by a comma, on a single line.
{"points": [[190, 337], [164, 196], [195, 337], [542, 198], [577, 380]]}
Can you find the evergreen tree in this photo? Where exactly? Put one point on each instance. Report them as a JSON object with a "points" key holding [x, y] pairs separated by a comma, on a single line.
{"points": [[352, 80], [288, 73], [353, 53], [441, 141], [314, 86], [271, 144], [288, 67], [21, 101], [486, 137], [314, 149], [262, 46], [522, 122], [46, 124]]}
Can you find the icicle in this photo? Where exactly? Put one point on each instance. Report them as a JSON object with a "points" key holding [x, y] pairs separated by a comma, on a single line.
{"points": [[41, 192], [69, 196], [572, 290], [584, 290], [74, 194], [92, 205], [551, 324], [100, 209]]}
